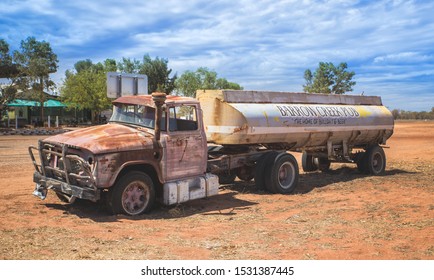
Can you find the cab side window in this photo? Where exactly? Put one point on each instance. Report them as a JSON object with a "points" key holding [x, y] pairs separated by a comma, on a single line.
{"points": [[183, 118]]}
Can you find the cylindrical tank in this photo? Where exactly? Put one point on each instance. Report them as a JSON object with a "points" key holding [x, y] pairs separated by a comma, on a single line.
{"points": [[298, 120]]}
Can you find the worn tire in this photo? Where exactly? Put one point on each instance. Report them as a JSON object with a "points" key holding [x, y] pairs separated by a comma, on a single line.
{"points": [[307, 163], [282, 174], [133, 194], [264, 161], [375, 160], [323, 164], [361, 163]]}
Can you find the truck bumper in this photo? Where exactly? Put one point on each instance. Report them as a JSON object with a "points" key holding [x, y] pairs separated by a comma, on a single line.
{"points": [[60, 176], [43, 184]]}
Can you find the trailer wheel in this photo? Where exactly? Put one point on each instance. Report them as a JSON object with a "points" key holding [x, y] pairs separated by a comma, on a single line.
{"points": [[361, 162], [307, 163], [246, 173], [375, 160], [133, 194], [261, 166], [227, 177], [282, 175], [322, 163]]}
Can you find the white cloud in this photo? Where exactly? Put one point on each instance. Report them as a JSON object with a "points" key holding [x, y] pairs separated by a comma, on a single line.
{"points": [[404, 57], [259, 44]]}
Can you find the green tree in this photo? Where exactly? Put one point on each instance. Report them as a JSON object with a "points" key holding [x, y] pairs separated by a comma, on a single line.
{"points": [[156, 69], [9, 71], [203, 78], [329, 78], [110, 65], [83, 65], [36, 61], [129, 66], [158, 74], [86, 88], [396, 114], [188, 83]]}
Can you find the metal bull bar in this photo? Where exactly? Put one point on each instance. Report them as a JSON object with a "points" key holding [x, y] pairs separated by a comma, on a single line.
{"points": [[78, 184]]}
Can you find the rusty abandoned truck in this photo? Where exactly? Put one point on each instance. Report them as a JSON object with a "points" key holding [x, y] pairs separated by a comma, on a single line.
{"points": [[174, 149]]}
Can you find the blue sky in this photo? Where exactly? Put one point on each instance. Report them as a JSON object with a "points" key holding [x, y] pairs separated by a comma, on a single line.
{"points": [[262, 45]]}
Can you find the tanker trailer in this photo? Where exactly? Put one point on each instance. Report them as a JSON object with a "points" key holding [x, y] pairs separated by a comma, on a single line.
{"points": [[325, 128]]}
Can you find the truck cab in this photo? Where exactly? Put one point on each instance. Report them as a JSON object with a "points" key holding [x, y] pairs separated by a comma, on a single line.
{"points": [[153, 148]]}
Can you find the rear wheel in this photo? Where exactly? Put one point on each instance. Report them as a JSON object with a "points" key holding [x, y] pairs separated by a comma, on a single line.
{"points": [[307, 162], [282, 174], [375, 160], [322, 163], [133, 194], [261, 166], [360, 161]]}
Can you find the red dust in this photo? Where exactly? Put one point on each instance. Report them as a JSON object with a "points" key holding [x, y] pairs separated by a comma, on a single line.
{"points": [[341, 214]]}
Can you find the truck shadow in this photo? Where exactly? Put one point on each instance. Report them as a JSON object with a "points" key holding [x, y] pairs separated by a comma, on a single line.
{"points": [[314, 180], [318, 179], [225, 204]]}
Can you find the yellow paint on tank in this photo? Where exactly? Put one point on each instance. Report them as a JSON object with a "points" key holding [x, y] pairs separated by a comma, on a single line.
{"points": [[266, 117], [363, 112]]}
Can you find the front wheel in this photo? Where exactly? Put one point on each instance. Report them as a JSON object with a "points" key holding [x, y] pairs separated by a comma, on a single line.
{"points": [[133, 194]]}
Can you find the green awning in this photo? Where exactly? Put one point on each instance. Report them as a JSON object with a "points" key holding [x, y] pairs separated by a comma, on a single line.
{"points": [[50, 103], [53, 103], [23, 103]]}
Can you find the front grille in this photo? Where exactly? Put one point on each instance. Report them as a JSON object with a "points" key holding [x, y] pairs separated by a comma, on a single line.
{"points": [[65, 164]]}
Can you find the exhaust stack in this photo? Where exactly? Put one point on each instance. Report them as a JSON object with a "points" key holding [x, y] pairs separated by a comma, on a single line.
{"points": [[159, 99]]}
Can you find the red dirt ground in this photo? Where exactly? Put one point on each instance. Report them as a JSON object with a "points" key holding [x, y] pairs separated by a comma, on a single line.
{"points": [[341, 214]]}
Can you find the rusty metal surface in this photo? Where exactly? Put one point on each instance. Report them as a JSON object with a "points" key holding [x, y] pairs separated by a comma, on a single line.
{"points": [[185, 151], [110, 165], [106, 138], [106, 150], [185, 154], [249, 96], [146, 100]]}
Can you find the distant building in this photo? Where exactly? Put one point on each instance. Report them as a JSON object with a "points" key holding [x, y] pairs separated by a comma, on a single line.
{"points": [[26, 110]]}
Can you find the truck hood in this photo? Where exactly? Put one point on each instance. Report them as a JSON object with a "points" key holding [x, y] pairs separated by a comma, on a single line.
{"points": [[106, 138]]}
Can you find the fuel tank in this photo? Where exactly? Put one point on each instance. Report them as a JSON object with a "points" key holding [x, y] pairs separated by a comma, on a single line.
{"points": [[296, 120]]}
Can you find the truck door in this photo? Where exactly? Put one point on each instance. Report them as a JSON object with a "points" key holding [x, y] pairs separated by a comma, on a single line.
{"points": [[186, 143]]}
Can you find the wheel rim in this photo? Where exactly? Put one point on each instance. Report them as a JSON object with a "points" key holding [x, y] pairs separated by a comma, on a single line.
{"points": [[286, 175], [135, 198], [377, 162]]}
